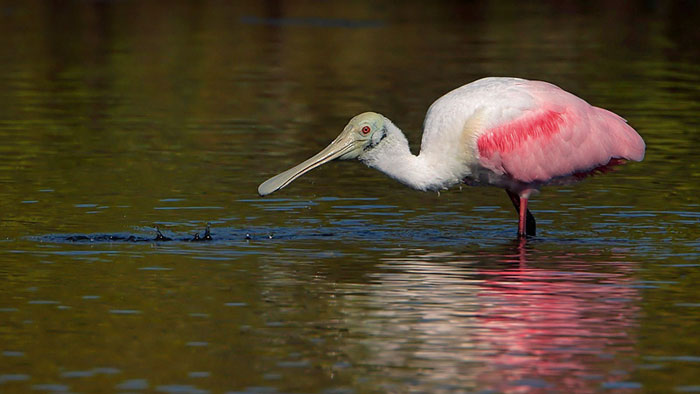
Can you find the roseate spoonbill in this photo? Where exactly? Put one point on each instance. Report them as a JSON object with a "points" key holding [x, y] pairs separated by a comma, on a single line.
{"points": [[506, 132]]}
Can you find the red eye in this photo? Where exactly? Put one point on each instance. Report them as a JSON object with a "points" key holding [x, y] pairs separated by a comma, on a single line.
{"points": [[366, 130]]}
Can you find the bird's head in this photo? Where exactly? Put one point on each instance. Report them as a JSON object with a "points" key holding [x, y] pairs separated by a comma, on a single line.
{"points": [[361, 134]]}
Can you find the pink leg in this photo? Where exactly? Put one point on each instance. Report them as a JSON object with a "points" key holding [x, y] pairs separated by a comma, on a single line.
{"points": [[522, 220], [526, 222]]}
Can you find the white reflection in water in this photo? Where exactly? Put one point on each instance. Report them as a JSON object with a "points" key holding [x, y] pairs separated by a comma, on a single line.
{"points": [[498, 321]]}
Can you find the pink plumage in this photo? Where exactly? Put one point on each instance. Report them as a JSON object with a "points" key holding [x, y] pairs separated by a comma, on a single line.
{"points": [[562, 136]]}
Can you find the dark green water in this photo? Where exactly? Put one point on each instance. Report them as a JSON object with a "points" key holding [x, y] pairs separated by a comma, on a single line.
{"points": [[117, 116]]}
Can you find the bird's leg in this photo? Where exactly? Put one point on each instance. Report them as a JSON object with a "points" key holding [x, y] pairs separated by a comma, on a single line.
{"points": [[531, 225], [526, 221], [522, 219]]}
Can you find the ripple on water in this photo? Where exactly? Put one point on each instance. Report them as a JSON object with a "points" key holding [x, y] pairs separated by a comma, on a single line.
{"points": [[621, 385], [51, 387], [687, 389], [77, 374], [124, 311], [85, 205], [272, 376], [91, 372], [689, 359], [133, 384], [180, 388], [43, 302], [531, 383], [13, 377], [293, 364], [256, 390], [199, 374]]}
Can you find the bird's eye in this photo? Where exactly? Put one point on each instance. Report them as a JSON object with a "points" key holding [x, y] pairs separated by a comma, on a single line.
{"points": [[366, 130]]}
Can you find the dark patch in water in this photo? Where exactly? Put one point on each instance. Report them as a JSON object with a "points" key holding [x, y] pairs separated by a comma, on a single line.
{"points": [[223, 235], [160, 237]]}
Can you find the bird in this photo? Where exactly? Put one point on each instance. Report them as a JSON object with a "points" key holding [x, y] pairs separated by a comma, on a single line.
{"points": [[512, 133]]}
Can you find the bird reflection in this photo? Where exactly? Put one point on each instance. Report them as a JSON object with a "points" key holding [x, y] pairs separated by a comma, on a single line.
{"points": [[544, 322], [510, 319]]}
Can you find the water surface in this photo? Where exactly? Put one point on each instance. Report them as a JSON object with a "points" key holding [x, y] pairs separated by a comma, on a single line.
{"points": [[116, 117]]}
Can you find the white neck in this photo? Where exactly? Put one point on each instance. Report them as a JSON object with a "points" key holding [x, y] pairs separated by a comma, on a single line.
{"points": [[393, 157]]}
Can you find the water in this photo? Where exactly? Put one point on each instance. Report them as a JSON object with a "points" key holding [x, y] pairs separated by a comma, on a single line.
{"points": [[116, 117]]}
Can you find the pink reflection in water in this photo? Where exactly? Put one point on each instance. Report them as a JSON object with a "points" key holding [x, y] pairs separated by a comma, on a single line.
{"points": [[557, 330], [513, 320]]}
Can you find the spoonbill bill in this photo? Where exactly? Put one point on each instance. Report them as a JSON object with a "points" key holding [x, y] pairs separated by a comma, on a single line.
{"points": [[511, 133]]}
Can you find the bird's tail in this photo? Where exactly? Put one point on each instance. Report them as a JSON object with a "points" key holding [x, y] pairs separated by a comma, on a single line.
{"points": [[626, 142]]}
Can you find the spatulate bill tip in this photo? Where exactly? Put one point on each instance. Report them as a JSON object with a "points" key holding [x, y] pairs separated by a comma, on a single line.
{"points": [[267, 187]]}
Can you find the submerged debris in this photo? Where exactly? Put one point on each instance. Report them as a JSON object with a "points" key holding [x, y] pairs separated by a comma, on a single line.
{"points": [[205, 237], [195, 238], [105, 238], [160, 236]]}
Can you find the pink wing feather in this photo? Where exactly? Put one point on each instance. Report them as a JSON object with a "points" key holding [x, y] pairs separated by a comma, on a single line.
{"points": [[562, 136]]}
